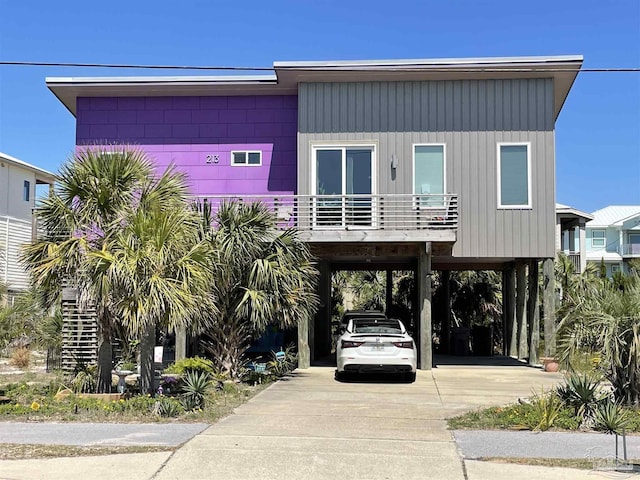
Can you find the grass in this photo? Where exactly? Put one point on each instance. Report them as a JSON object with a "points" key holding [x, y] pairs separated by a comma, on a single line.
{"points": [[511, 417], [12, 451]]}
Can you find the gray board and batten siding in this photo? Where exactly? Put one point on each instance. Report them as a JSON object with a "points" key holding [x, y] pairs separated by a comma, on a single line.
{"points": [[470, 117]]}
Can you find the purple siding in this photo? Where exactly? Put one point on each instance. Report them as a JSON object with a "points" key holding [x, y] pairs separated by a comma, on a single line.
{"points": [[185, 130]]}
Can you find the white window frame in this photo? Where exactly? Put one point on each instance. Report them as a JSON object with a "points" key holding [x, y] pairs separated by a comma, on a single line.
{"points": [[444, 172], [603, 238], [529, 204], [247, 164], [374, 179]]}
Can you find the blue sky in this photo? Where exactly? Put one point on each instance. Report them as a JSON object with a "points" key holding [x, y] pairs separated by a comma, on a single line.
{"points": [[597, 133]]}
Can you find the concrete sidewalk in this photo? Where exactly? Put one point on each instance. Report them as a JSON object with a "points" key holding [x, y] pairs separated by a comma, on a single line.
{"points": [[310, 426]]}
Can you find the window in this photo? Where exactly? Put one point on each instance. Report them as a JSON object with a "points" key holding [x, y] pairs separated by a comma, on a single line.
{"points": [[26, 191], [514, 175], [598, 238], [246, 158], [615, 268], [428, 173]]}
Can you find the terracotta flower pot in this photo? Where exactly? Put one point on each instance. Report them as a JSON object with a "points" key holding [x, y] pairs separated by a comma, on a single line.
{"points": [[550, 364]]}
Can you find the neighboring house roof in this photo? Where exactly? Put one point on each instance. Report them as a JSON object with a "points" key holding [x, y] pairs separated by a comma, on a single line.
{"points": [[567, 210], [613, 215], [562, 69], [42, 175]]}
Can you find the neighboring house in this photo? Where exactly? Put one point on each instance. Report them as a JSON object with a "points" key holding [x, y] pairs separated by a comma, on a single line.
{"points": [[571, 234], [613, 236], [18, 182], [397, 164]]}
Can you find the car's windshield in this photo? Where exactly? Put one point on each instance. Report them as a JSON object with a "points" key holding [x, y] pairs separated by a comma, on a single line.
{"points": [[376, 325]]}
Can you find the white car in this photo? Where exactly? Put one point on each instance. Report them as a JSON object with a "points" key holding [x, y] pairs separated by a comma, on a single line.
{"points": [[371, 345]]}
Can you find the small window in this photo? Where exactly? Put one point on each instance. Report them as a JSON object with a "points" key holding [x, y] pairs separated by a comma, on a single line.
{"points": [[597, 238], [26, 191], [250, 158], [615, 268], [514, 176]]}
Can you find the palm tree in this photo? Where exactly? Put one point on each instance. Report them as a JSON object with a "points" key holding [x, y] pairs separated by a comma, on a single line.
{"points": [[605, 319], [84, 213], [158, 267], [262, 277]]}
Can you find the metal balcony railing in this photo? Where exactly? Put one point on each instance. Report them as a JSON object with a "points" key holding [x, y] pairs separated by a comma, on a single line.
{"points": [[354, 212]]}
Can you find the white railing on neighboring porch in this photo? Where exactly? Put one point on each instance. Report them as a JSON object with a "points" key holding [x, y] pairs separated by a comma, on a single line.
{"points": [[354, 212]]}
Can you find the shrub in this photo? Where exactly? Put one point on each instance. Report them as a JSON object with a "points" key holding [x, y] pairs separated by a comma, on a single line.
{"points": [[611, 418], [583, 393], [85, 379], [283, 362], [196, 385], [545, 410], [21, 358], [191, 364], [168, 407]]}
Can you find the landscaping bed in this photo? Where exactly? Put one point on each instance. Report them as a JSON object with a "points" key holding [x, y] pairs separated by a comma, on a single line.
{"points": [[582, 403]]}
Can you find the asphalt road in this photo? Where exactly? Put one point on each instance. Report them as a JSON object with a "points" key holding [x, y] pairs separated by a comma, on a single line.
{"points": [[92, 434]]}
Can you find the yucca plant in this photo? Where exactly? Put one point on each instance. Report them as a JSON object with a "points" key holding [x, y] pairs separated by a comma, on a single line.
{"points": [[611, 418], [195, 387], [584, 393]]}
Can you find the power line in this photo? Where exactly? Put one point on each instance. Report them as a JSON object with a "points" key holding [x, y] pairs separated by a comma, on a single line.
{"points": [[400, 67]]}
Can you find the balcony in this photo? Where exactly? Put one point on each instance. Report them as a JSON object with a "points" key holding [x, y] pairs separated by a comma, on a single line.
{"points": [[359, 217], [631, 250]]}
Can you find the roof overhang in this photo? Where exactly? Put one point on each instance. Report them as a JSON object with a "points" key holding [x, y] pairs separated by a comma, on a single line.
{"points": [[42, 176], [562, 69], [567, 211]]}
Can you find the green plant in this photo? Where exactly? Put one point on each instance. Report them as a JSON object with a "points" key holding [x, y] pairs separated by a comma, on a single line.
{"points": [[85, 379], [21, 357], [546, 408], [191, 364], [168, 407], [283, 362], [194, 389], [611, 418], [583, 393]]}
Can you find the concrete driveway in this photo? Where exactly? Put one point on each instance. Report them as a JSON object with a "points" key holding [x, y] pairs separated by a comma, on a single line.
{"points": [[310, 426]]}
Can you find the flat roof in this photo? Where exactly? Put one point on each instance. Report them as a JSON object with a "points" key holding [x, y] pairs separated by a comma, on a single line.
{"points": [[41, 174], [563, 69]]}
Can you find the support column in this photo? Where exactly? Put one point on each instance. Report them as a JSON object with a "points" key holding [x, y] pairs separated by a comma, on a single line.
{"points": [[549, 302], [181, 343], [583, 248], [445, 341], [304, 353], [325, 348], [533, 312], [521, 308], [424, 303], [389, 292], [509, 311]]}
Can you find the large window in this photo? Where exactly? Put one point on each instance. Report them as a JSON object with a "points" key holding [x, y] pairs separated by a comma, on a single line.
{"points": [[514, 175], [343, 182], [429, 173], [598, 238]]}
